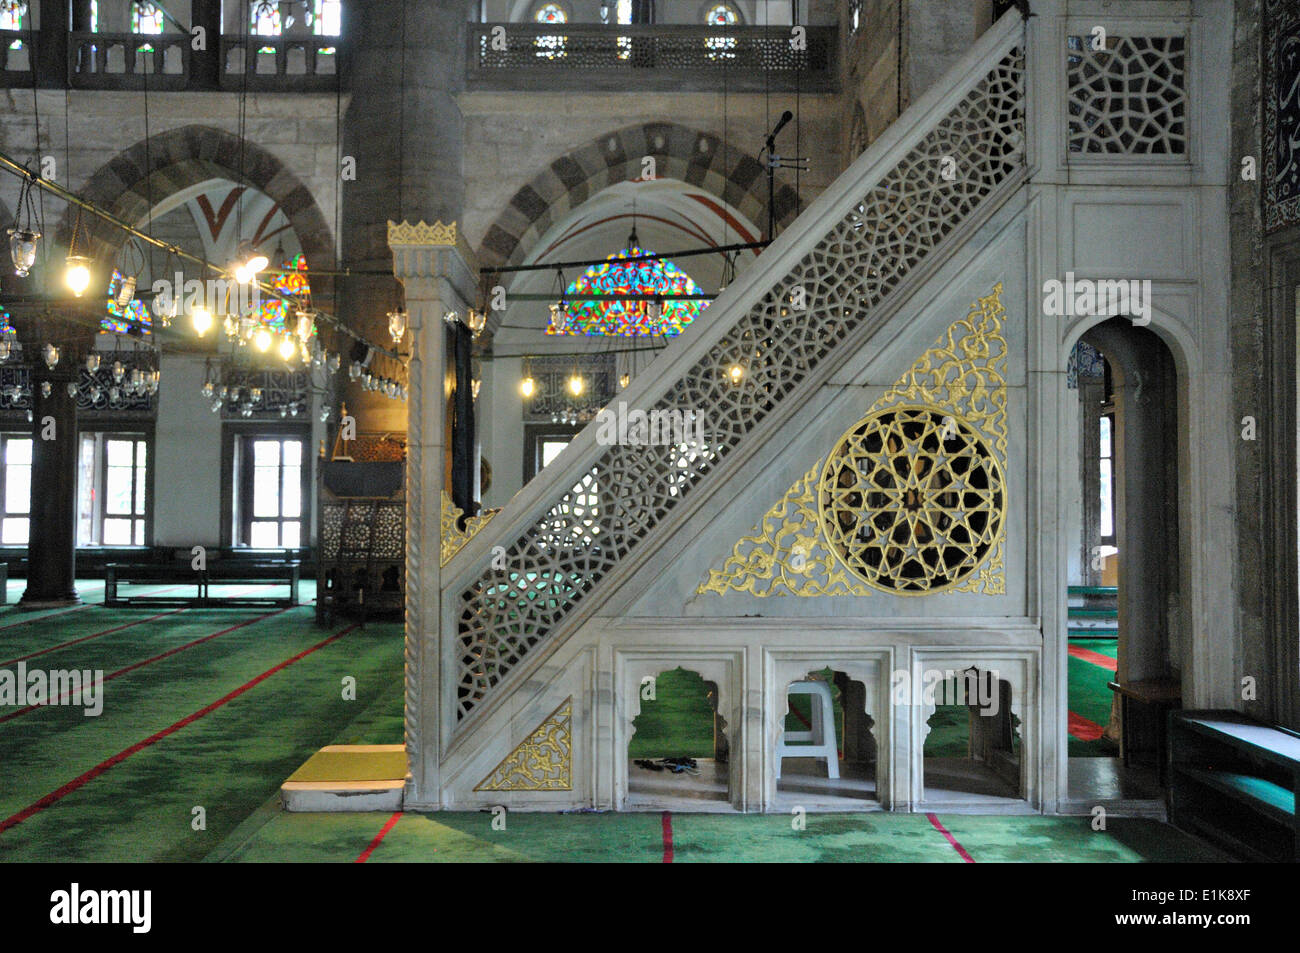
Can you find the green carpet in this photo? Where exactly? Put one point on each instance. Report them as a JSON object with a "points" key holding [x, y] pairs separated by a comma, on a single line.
{"points": [[714, 838], [1090, 698], [228, 763], [261, 719]]}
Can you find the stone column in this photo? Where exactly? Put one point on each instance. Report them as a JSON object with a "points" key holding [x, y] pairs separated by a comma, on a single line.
{"points": [[437, 272], [403, 126], [51, 550]]}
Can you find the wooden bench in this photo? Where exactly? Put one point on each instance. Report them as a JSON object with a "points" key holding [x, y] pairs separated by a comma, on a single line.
{"points": [[232, 571], [1233, 780]]}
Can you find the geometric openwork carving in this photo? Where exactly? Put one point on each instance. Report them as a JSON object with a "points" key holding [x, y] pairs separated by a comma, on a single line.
{"points": [[542, 762], [911, 500], [1129, 98], [814, 540], [864, 254]]}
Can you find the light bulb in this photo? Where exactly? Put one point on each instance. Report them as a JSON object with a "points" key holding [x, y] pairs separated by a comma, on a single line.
{"points": [[262, 338], [46, 388], [201, 318], [624, 380], [78, 274], [735, 372], [288, 347], [248, 263], [576, 385], [527, 386]]}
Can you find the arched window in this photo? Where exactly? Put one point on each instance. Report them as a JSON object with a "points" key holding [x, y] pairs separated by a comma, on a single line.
{"points": [[146, 17], [264, 18], [550, 47], [327, 17], [721, 15], [633, 318], [11, 18]]}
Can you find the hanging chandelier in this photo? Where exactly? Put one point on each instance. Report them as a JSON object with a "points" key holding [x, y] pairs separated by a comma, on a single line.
{"points": [[25, 232]]}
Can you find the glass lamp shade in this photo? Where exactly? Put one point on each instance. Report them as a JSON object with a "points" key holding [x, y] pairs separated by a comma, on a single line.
{"points": [[5, 348], [72, 389], [50, 354], [262, 338], [306, 325], [119, 371], [46, 388], [126, 292], [22, 248], [397, 325], [334, 362], [288, 347], [78, 274]]}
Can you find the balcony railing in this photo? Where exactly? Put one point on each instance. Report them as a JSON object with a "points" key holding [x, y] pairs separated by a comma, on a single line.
{"points": [[280, 64], [128, 61], [597, 56], [167, 61]]}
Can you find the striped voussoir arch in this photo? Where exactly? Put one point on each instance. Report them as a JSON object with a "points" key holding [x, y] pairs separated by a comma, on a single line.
{"points": [[186, 156], [690, 155]]}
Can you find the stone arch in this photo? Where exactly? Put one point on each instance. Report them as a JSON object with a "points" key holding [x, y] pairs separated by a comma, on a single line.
{"points": [[181, 158], [695, 157]]}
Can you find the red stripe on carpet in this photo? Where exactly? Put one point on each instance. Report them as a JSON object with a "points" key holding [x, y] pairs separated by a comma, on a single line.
{"points": [[1083, 729], [83, 779], [668, 837], [50, 615], [951, 840], [149, 661], [1096, 658], [87, 638], [365, 854]]}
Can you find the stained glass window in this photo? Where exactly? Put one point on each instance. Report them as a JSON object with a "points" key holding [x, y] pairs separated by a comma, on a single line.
{"points": [[6, 323], [146, 18], [292, 283], [11, 18], [721, 47], [722, 14], [550, 47], [119, 320], [616, 275], [265, 18], [327, 20]]}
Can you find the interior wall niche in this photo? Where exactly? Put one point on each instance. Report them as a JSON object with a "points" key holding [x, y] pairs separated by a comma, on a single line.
{"points": [[802, 723], [678, 747], [972, 743]]}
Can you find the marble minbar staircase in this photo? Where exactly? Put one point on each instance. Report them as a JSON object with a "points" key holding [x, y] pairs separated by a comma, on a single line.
{"points": [[856, 255]]}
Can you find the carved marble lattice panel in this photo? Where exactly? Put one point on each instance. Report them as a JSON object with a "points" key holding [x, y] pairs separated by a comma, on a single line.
{"points": [[961, 381], [874, 245], [1129, 98], [453, 537], [542, 762]]}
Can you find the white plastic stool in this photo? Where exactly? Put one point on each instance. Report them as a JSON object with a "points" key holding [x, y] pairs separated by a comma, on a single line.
{"points": [[822, 733]]}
